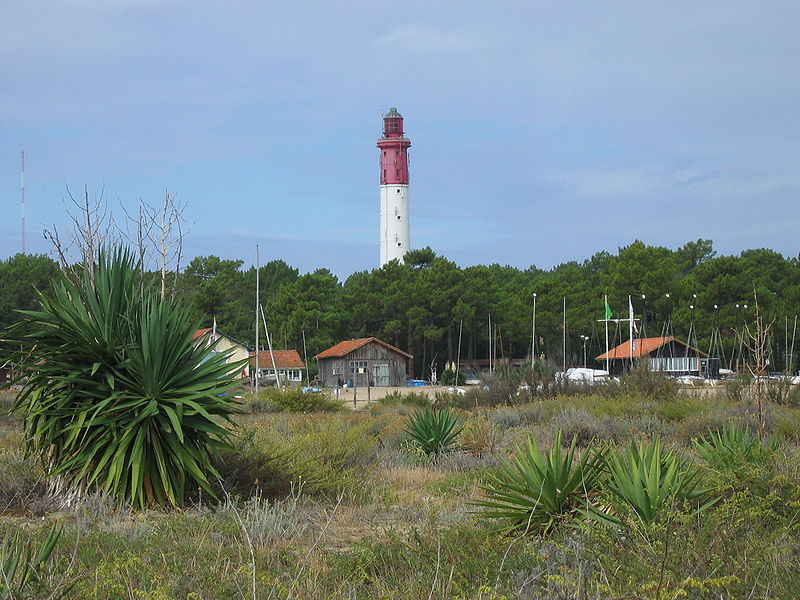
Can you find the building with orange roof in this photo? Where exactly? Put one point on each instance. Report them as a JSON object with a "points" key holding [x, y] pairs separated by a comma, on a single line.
{"points": [[666, 354], [363, 362], [238, 351], [285, 364]]}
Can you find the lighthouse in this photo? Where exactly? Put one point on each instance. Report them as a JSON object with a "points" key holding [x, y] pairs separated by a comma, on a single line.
{"points": [[393, 145]]}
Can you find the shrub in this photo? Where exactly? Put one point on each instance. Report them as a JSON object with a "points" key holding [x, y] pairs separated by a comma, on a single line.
{"points": [[292, 399], [433, 431], [481, 437], [409, 399], [324, 460], [650, 384], [645, 479], [538, 491], [118, 397], [733, 444], [580, 425], [22, 566]]}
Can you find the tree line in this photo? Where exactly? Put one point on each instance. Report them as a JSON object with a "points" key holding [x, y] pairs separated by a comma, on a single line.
{"points": [[436, 310]]}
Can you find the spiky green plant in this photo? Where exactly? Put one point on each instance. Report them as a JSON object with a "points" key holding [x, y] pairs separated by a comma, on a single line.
{"points": [[21, 568], [646, 479], [733, 444], [116, 396], [539, 490], [433, 431]]}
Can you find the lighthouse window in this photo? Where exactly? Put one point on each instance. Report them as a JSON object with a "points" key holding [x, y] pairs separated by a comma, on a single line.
{"points": [[398, 190], [398, 217], [399, 244], [398, 172]]}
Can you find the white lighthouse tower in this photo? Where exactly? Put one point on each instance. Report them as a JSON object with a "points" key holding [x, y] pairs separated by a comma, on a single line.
{"points": [[395, 236]]}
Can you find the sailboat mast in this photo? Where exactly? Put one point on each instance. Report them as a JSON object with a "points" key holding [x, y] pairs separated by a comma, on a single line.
{"points": [[564, 337], [258, 304], [605, 300]]}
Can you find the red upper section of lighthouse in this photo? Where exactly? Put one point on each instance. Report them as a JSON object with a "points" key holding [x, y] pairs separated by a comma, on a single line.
{"points": [[394, 150]]}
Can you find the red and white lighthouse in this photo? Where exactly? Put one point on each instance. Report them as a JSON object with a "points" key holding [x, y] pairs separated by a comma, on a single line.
{"points": [[395, 236]]}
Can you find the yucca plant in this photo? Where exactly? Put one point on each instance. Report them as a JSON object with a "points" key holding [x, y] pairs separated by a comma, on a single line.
{"points": [[647, 479], [21, 566], [733, 444], [539, 490], [116, 397], [433, 431]]}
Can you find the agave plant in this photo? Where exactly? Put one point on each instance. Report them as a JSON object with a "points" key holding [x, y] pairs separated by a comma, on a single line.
{"points": [[116, 397], [646, 479], [539, 490], [734, 443], [21, 568], [434, 431]]}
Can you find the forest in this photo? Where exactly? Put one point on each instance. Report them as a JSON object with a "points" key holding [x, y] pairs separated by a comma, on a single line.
{"points": [[429, 306]]}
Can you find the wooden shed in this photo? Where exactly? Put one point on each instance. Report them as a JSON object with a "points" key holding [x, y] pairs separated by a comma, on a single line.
{"points": [[365, 361]]}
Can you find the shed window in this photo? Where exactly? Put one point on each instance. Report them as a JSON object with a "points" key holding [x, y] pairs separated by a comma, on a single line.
{"points": [[357, 365]]}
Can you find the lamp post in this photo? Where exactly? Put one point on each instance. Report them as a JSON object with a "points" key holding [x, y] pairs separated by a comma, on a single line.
{"points": [[584, 339]]}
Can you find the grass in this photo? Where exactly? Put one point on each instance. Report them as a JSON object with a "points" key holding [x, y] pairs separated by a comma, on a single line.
{"points": [[329, 506]]}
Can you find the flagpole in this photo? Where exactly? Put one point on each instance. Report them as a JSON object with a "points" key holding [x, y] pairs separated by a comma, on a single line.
{"points": [[605, 299], [630, 329]]}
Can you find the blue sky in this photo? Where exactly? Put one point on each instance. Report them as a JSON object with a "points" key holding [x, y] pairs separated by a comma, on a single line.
{"points": [[541, 131]]}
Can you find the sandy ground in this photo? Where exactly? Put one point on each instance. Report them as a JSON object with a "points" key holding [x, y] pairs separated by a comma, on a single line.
{"points": [[358, 398]]}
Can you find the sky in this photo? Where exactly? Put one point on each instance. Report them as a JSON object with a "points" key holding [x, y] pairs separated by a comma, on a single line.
{"points": [[541, 132]]}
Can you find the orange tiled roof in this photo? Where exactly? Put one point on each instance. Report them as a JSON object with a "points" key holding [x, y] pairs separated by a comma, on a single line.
{"points": [[642, 347], [348, 346], [200, 333], [285, 359]]}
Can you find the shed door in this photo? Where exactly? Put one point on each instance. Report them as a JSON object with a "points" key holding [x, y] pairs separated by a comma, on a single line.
{"points": [[380, 374]]}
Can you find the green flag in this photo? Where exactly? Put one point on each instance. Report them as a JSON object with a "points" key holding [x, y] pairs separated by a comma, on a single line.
{"points": [[608, 309]]}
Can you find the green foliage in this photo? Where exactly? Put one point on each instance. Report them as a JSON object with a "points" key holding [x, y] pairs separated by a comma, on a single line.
{"points": [[734, 444], [434, 431], [292, 399], [653, 385], [538, 491], [417, 399], [647, 479], [22, 567], [117, 397], [322, 458]]}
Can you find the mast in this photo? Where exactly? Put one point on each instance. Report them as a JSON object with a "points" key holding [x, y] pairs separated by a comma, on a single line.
{"points": [[22, 192], [258, 304], [564, 337], [607, 317]]}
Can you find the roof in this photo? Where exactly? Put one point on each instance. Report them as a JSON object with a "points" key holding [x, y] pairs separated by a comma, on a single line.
{"points": [[200, 333], [346, 347], [642, 347], [203, 332], [285, 359], [393, 114]]}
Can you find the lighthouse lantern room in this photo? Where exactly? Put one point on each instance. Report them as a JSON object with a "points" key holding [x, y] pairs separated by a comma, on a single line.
{"points": [[393, 145]]}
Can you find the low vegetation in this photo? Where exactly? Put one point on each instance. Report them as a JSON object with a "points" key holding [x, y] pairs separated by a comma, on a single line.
{"points": [[583, 496]]}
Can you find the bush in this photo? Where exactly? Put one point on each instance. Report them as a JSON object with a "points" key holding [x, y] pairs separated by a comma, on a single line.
{"points": [[538, 491], [645, 479], [433, 431], [118, 397], [653, 385], [580, 425], [481, 437], [323, 459], [408, 399], [292, 399]]}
